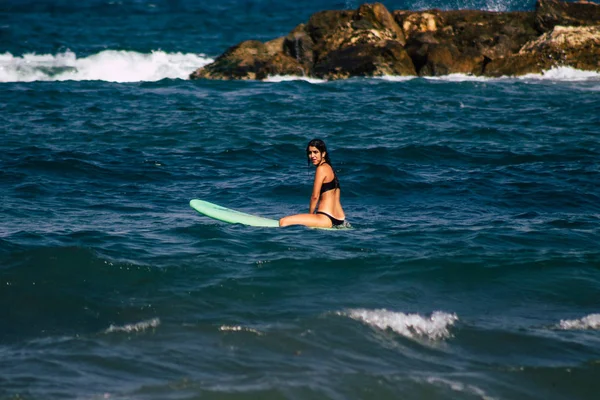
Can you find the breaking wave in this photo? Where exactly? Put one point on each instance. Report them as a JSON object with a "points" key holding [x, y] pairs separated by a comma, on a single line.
{"points": [[591, 321], [108, 65], [137, 327], [434, 327]]}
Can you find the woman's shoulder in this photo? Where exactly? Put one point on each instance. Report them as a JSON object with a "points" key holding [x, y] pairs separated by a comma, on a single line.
{"points": [[324, 168], [325, 171]]}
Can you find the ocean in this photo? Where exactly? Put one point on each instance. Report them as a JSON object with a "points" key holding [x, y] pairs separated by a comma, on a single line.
{"points": [[472, 270]]}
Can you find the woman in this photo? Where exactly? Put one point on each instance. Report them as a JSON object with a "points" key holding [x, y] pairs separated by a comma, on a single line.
{"points": [[325, 193]]}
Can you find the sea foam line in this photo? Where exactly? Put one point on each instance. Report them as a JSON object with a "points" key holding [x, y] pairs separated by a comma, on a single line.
{"points": [[238, 328], [138, 327], [288, 78], [562, 74], [108, 65], [559, 74], [433, 327], [591, 321], [459, 387]]}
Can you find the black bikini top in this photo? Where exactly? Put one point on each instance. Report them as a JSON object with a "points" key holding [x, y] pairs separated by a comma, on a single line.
{"points": [[334, 184]]}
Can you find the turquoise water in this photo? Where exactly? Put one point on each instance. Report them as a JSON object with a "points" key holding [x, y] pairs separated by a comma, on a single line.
{"points": [[473, 271]]}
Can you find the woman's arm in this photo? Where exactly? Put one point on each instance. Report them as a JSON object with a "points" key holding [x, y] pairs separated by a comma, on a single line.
{"points": [[316, 192]]}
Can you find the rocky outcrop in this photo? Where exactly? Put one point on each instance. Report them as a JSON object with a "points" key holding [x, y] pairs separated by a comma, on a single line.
{"points": [[442, 43], [371, 41], [551, 13], [577, 47], [251, 60]]}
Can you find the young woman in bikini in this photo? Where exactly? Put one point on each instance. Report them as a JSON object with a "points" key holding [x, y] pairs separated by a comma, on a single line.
{"points": [[325, 193]]}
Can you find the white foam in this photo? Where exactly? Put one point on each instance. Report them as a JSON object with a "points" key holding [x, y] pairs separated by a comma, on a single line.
{"points": [[459, 78], [489, 5], [433, 327], [288, 78], [591, 321], [396, 78], [564, 74], [496, 6], [238, 328], [459, 387], [138, 327], [108, 65]]}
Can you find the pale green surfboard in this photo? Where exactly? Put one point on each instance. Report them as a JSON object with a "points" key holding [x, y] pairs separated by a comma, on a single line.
{"points": [[231, 216]]}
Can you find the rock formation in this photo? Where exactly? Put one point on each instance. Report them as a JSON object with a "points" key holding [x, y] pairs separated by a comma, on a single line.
{"points": [[372, 41]]}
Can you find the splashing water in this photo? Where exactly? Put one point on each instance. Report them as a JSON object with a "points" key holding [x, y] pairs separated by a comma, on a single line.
{"points": [[434, 327], [591, 321], [108, 65]]}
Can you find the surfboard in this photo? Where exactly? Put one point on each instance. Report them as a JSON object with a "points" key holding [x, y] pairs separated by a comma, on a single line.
{"points": [[231, 216]]}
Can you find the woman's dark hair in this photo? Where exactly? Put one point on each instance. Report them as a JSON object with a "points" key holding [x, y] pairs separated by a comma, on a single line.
{"points": [[320, 145]]}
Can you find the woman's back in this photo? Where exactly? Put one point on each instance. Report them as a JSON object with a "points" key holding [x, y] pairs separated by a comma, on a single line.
{"points": [[330, 199]]}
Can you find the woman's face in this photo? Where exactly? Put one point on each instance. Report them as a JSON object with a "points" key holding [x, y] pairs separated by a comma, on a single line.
{"points": [[314, 155]]}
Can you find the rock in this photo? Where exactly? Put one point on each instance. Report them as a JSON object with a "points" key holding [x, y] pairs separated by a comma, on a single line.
{"points": [[371, 25], [445, 42], [281, 64], [365, 60], [322, 23], [576, 47], [516, 65], [489, 34], [250, 60], [371, 41], [238, 62], [298, 44], [274, 46], [418, 22], [377, 17], [550, 13]]}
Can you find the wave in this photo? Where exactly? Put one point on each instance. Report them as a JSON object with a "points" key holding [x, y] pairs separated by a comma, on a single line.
{"points": [[129, 66], [108, 65], [484, 5], [288, 78], [457, 386], [434, 327], [238, 328], [566, 74], [591, 321], [560, 74], [137, 327]]}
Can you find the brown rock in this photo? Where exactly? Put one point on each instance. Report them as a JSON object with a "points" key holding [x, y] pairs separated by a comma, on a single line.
{"points": [[434, 58], [250, 60], [377, 17], [274, 46], [576, 47], [371, 41], [280, 64], [299, 45], [418, 22], [550, 13], [463, 41], [238, 62], [321, 24], [371, 24], [366, 60], [490, 34], [518, 64]]}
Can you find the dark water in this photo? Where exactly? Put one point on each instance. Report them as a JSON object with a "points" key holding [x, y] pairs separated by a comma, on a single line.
{"points": [[473, 271]]}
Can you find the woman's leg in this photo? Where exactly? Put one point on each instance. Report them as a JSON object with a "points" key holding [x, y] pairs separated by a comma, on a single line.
{"points": [[316, 220]]}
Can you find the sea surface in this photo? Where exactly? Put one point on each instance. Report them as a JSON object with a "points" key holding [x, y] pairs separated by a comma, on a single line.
{"points": [[472, 270]]}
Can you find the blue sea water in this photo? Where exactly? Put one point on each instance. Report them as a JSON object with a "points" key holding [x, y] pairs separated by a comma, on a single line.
{"points": [[472, 271]]}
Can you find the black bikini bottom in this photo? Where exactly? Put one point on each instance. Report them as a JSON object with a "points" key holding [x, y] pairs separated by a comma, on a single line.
{"points": [[334, 221]]}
